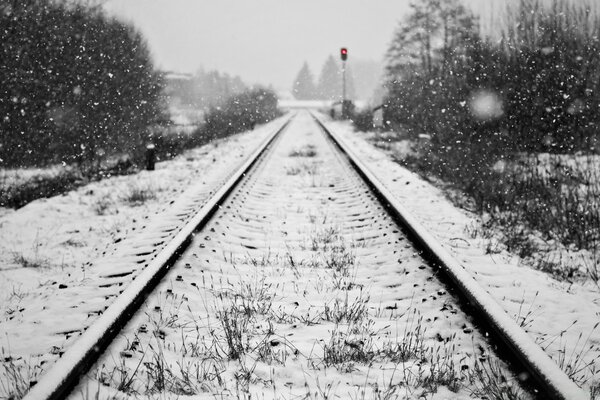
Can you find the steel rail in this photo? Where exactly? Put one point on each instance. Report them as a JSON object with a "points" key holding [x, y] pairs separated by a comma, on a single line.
{"points": [[64, 375], [550, 379]]}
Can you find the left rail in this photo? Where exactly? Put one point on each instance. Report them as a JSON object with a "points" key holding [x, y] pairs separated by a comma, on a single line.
{"points": [[64, 375]]}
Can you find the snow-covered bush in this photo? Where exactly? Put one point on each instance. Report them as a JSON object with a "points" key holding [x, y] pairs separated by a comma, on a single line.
{"points": [[239, 113]]}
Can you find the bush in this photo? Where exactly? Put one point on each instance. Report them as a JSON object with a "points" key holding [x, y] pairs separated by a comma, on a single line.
{"points": [[19, 194], [239, 113], [363, 120]]}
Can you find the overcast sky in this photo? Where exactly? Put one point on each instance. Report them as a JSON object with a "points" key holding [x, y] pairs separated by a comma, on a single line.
{"points": [[263, 41]]}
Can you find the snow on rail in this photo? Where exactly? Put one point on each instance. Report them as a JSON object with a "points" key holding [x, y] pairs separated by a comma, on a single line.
{"points": [[65, 373], [544, 370]]}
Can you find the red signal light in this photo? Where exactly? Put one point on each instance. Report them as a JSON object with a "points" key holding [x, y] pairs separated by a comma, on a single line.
{"points": [[344, 53]]}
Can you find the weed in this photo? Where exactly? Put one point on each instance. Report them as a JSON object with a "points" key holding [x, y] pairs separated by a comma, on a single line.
{"points": [[351, 312], [139, 194], [323, 239], [162, 378], [578, 363], [308, 150], [345, 348], [327, 392], [345, 279], [16, 376], [165, 314], [244, 376], [121, 377], [526, 320], [102, 205], [34, 261], [412, 343], [263, 260], [339, 258], [592, 263], [442, 369], [254, 297], [234, 324], [595, 391], [292, 171], [489, 381]]}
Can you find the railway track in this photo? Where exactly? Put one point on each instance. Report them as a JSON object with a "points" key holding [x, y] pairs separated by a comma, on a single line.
{"points": [[303, 275]]}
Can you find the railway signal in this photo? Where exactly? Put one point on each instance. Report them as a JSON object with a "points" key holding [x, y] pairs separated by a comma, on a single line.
{"points": [[345, 105]]}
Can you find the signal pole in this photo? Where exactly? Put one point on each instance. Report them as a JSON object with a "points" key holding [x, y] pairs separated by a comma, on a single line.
{"points": [[344, 57], [344, 81]]}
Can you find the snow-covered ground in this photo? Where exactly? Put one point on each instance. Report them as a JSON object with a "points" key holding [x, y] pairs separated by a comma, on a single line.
{"points": [[299, 287], [53, 252], [562, 317]]}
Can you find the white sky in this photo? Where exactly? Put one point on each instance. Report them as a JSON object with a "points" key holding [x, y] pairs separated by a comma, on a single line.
{"points": [[263, 41]]}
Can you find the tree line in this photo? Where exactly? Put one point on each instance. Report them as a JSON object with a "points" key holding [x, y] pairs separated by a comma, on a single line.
{"points": [[327, 87], [490, 101], [532, 86], [205, 89]]}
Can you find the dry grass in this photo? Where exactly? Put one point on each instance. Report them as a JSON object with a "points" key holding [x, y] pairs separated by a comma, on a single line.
{"points": [[16, 375], [140, 194], [308, 151]]}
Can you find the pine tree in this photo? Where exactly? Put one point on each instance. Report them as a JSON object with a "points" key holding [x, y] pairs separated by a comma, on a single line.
{"points": [[304, 86], [434, 35], [330, 81], [428, 68]]}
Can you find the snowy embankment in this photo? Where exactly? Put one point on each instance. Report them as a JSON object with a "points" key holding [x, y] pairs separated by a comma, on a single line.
{"points": [[562, 317], [55, 251]]}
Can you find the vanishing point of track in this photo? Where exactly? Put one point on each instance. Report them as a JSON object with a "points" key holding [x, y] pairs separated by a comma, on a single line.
{"points": [[367, 212]]}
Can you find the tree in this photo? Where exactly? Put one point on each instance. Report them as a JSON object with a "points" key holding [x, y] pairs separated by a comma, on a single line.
{"points": [[241, 112], [434, 34], [76, 84], [350, 89], [304, 86], [330, 81], [428, 65], [213, 88]]}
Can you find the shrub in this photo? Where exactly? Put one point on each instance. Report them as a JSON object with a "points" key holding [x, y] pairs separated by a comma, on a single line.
{"points": [[239, 113], [363, 120]]}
